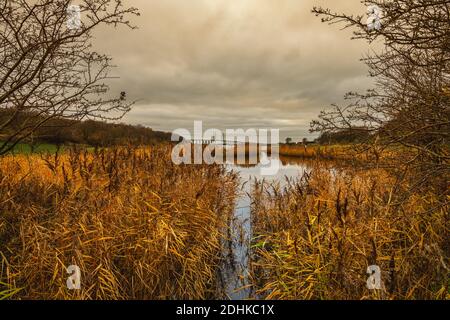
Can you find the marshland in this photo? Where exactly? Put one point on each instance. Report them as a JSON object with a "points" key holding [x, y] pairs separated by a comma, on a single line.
{"points": [[140, 227], [358, 207]]}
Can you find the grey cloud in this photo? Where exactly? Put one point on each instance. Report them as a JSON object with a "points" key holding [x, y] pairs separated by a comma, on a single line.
{"points": [[234, 63]]}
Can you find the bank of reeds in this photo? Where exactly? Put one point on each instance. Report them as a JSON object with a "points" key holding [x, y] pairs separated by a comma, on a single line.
{"points": [[315, 238], [314, 151], [138, 226]]}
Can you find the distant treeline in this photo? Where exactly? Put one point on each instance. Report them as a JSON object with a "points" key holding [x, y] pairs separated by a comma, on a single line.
{"points": [[95, 133], [344, 136]]}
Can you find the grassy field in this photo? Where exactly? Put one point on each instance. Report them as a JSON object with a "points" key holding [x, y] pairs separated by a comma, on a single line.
{"points": [[316, 238], [138, 226], [25, 148]]}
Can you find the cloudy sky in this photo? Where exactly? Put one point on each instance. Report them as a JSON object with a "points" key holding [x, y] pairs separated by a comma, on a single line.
{"points": [[234, 63]]}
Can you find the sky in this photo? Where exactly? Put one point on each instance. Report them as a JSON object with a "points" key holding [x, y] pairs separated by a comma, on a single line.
{"points": [[234, 63]]}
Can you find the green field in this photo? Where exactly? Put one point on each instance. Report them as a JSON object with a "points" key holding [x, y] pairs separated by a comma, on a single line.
{"points": [[25, 148]]}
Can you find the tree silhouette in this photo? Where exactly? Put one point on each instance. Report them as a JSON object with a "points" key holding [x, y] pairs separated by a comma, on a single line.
{"points": [[48, 69], [408, 111]]}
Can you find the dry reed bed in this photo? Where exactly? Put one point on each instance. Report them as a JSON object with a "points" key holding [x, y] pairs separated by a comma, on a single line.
{"points": [[138, 226], [316, 238], [356, 153], [313, 151]]}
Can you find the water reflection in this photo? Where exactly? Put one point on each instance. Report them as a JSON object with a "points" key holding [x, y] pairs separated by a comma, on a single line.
{"points": [[236, 270]]}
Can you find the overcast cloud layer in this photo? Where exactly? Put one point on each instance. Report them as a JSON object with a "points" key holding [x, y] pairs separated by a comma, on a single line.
{"points": [[234, 63]]}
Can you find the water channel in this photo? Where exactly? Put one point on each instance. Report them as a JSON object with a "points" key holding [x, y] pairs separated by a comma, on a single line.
{"points": [[235, 272]]}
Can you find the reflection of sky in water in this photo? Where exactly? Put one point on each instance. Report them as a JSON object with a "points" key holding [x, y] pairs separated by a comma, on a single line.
{"points": [[238, 278]]}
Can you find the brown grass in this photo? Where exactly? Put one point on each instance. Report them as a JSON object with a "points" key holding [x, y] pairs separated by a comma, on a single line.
{"points": [[314, 151], [138, 226], [316, 238]]}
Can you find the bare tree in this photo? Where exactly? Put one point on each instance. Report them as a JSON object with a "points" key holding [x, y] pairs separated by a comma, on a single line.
{"points": [[408, 111], [48, 68]]}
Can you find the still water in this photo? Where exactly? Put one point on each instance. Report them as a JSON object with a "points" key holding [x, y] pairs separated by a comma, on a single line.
{"points": [[235, 272]]}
